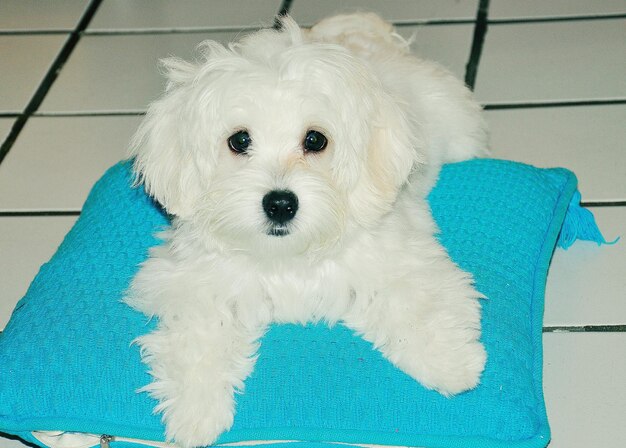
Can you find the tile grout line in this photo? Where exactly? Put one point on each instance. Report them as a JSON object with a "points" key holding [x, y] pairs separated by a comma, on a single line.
{"points": [[619, 328], [92, 113], [26, 213], [35, 32], [585, 329], [486, 106], [284, 9], [48, 213], [49, 78], [418, 22], [603, 204], [162, 31], [554, 19], [478, 39], [547, 104], [220, 29]]}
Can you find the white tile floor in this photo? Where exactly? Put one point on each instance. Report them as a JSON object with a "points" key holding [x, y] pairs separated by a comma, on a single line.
{"points": [[25, 61], [544, 54]]}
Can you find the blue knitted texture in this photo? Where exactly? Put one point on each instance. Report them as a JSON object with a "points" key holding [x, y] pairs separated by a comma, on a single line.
{"points": [[66, 362]]}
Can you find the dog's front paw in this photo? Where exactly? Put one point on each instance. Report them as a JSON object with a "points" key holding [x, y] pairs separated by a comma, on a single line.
{"points": [[448, 360], [197, 420], [449, 370], [438, 345]]}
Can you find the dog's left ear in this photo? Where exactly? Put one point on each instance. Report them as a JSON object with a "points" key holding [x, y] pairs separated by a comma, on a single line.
{"points": [[394, 150], [165, 155]]}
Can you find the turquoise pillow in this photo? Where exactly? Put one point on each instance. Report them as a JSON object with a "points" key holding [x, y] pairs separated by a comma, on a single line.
{"points": [[67, 363]]}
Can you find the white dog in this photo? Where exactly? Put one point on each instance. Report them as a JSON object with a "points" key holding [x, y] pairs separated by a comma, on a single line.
{"points": [[295, 164]]}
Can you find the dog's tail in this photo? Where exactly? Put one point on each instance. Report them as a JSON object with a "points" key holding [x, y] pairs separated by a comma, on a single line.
{"points": [[366, 34]]}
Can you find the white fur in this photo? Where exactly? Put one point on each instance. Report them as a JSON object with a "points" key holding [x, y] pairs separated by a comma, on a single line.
{"points": [[361, 248]]}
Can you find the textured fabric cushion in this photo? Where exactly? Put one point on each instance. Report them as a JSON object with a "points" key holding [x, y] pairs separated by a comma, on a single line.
{"points": [[67, 363]]}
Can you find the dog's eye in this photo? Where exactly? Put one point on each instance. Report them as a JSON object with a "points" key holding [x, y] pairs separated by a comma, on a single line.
{"points": [[239, 142], [315, 141]]}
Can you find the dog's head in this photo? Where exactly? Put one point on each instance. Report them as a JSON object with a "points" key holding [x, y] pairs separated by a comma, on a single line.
{"points": [[274, 143]]}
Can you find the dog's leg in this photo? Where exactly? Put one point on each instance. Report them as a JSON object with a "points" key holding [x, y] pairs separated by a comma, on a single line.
{"points": [[197, 366], [427, 322], [201, 351]]}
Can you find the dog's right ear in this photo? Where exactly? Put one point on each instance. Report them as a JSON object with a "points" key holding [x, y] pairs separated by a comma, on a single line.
{"points": [[178, 71], [166, 159]]}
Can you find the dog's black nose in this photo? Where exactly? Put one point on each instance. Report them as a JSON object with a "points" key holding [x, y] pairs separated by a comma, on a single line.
{"points": [[280, 206]]}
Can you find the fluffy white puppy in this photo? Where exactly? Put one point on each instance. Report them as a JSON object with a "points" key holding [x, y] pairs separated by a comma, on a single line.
{"points": [[295, 164]]}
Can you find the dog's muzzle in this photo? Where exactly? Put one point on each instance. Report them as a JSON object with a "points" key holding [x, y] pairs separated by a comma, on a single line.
{"points": [[280, 207]]}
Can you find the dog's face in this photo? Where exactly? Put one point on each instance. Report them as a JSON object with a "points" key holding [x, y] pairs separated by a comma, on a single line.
{"points": [[274, 145]]}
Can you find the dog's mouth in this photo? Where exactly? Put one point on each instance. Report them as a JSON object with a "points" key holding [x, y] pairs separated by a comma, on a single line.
{"points": [[278, 231]]}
